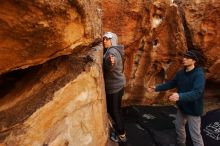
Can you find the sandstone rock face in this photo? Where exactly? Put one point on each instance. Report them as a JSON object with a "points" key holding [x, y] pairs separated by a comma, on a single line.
{"points": [[203, 19], [154, 39], [58, 103], [155, 34], [33, 32], [52, 90]]}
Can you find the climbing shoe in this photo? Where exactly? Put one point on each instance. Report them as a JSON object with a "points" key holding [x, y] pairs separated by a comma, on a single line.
{"points": [[114, 137], [122, 138]]}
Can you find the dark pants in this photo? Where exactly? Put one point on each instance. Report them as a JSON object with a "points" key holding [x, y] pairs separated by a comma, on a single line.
{"points": [[114, 109]]}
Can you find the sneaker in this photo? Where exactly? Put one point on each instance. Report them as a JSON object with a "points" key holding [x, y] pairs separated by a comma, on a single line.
{"points": [[114, 137], [122, 138]]}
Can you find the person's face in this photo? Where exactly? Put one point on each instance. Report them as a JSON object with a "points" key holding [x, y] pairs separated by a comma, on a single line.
{"points": [[106, 42], [187, 61]]}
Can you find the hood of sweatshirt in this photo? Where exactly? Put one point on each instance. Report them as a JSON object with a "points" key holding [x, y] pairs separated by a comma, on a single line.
{"points": [[120, 49]]}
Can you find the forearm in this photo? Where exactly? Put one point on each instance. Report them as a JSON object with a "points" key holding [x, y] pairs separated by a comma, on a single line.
{"points": [[166, 86], [191, 95]]}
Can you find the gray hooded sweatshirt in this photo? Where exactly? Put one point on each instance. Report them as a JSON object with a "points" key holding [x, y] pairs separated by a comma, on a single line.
{"points": [[113, 74]]}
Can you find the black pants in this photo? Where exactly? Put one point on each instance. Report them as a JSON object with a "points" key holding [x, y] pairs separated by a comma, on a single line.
{"points": [[115, 111]]}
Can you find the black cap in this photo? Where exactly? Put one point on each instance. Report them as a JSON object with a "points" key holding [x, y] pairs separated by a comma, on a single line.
{"points": [[193, 54]]}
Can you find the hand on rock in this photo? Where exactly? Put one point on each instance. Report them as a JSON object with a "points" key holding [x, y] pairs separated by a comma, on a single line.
{"points": [[112, 59]]}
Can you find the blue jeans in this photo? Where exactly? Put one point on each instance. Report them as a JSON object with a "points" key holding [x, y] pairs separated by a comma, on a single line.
{"points": [[194, 123], [114, 109]]}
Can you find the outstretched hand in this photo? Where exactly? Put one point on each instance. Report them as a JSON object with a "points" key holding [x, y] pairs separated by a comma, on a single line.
{"points": [[174, 97], [112, 59], [151, 89]]}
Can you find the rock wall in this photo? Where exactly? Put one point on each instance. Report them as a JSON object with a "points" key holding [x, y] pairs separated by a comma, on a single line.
{"points": [[58, 103], [52, 90], [154, 39], [156, 33], [33, 32], [203, 19]]}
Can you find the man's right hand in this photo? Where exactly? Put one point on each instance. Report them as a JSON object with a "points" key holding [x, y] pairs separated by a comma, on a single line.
{"points": [[151, 89], [112, 59]]}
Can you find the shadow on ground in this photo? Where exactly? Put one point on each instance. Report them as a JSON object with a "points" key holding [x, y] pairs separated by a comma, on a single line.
{"points": [[154, 126], [150, 125]]}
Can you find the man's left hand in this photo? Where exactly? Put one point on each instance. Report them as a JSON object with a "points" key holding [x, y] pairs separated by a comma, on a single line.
{"points": [[174, 97]]}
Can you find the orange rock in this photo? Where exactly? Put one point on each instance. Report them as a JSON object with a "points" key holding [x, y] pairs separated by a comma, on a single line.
{"points": [[154, 39]]}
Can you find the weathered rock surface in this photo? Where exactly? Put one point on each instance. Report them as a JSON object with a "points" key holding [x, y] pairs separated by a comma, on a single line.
{"points": [[155, 34], [203, 19], [58, 103], [33, 32], [52, 90]]}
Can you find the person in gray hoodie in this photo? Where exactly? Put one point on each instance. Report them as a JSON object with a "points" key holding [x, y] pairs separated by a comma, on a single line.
{"points": [[114, 82]]}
